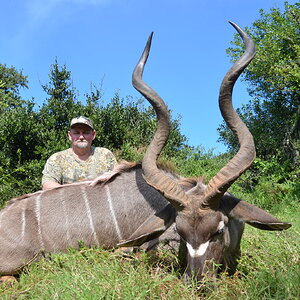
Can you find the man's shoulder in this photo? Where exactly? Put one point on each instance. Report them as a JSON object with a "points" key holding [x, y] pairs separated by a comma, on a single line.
{"points": [[61, 154], [101, 150], [103, 155]]}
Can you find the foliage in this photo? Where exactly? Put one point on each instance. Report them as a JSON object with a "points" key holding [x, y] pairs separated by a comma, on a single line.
{"points": [[128, 126], [56, 113], [273, 77], [16, 117], [18, 135], [11, 81]]}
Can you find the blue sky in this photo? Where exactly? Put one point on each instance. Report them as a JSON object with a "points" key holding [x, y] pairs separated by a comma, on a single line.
{"points": [[101, 41]]}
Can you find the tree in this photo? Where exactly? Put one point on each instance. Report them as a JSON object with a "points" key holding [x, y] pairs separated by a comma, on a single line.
{"points": [[56, 113], [273, 78], [17, 118], [11, 81], [62, 102], [19, 135]]}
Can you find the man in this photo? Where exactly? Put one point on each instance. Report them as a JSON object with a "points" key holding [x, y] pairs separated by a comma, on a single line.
{"points": [[81, 161]]}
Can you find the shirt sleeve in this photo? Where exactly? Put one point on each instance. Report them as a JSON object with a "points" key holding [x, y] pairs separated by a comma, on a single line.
{"points": [[52, 171], [111, 160]]}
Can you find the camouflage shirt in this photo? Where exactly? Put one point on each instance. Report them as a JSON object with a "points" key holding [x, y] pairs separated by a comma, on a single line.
{"points": [[63, 167]]}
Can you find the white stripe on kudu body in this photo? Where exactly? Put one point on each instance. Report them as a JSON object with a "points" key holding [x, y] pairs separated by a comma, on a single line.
{"points": [[38, 218], [23, 220], [66, 218], [112, 212], [87, 207]]}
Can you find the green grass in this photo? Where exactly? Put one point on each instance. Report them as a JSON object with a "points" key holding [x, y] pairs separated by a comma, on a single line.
{"points": [[269, 269], [270, 264], [98, 274]]}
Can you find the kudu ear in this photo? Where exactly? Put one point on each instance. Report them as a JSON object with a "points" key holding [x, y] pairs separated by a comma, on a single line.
{"points": [[152, 228], [251, 214]]}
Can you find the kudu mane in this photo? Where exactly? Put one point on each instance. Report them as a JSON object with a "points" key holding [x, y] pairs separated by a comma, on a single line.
{"points": [[123, 167]]}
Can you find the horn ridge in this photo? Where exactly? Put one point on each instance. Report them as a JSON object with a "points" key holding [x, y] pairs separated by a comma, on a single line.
{"points": [[243, 159], [153, 176]]}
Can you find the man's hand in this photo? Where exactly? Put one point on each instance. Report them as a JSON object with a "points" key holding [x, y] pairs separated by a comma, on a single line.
{"points": [[50, 185]]}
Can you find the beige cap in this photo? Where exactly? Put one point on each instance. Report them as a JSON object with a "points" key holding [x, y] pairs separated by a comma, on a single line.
{"points": [[82, 120]]}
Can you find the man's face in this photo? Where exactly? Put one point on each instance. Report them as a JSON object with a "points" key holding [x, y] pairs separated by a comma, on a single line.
{"points": [[81, 136]]}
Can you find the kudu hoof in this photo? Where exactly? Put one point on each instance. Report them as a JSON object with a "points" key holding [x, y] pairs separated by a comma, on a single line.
{"points": [[125, 250], [10, 280]]}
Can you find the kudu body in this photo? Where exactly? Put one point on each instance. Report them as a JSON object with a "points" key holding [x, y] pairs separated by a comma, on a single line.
{"points": [[121, 208], [98, 212]]}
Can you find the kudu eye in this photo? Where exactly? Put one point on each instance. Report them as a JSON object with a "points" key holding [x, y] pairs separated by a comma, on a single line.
{"points": [[220, 231]]}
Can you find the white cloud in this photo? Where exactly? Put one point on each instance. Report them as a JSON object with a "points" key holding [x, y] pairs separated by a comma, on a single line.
{"points": [[40, 9], [37, 10], [34, 14]]}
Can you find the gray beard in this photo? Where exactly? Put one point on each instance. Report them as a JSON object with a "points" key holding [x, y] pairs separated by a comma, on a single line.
{"points": [[82, 145]]}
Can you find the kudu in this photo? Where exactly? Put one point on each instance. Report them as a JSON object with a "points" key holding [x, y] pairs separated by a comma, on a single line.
{"points": [[121, 208], [209, 220]]}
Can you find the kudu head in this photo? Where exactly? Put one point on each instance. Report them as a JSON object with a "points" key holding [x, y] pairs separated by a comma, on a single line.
{"points": [[203, 218]]}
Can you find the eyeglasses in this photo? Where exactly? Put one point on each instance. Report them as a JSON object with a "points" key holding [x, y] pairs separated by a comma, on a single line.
{"points": [[76, 132]]}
